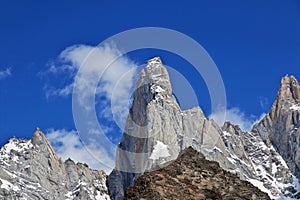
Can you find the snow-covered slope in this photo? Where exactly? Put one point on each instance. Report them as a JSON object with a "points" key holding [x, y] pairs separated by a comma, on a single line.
{"points": [[30, 169], [270, 172]]}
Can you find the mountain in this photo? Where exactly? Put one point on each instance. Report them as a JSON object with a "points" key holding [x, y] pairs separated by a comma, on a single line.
{"points": [[269, 170], [156, 123], [30, 169], [157, 130], [280, 127], [192, 177], [155, 146]]}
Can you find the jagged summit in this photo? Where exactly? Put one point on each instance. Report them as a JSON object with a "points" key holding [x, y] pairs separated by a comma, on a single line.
{"points": [[154, 60], [156, 76], [39, 139], [280, 128], [30, 169], [288, 97], [289, 88]]}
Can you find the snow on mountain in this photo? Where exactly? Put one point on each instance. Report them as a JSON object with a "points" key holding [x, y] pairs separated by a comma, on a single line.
{"points": [[156, 133], [160, 150], [193, 177], [270, 172], [30, 169], [295, 107]]}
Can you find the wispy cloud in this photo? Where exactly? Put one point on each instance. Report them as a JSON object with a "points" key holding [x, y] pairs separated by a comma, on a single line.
{"points": [[116, 75], [116, 79], [237, 117], [264, 103], [68, 145], [5, 73], [61, 92], [115, 83]]}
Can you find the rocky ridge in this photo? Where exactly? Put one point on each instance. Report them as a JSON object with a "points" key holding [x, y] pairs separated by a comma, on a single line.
{"points": [[30, 169], [270, 171], [193, 177]]}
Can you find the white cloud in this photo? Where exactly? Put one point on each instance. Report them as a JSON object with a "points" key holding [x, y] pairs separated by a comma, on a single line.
{"points": [[62, 92], [116, 79], [68, 145], [5, 73], [237, 117], [90, 71]]}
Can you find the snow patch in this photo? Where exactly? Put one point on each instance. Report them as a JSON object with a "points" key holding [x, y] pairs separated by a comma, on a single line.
{"points": [[216, 148], [160, 151], [274, 168], [18, 145], [261, 186], [280, 158], [295, 107], [9, 186], [100, 196], [156, 88], [226, 134]]}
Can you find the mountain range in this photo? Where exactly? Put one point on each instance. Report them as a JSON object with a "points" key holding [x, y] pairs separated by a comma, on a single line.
{"points": [[166, 152]]}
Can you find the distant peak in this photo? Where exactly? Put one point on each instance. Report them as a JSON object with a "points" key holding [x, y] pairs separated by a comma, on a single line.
{"points": [[40, 139], [38, 136], [155, 60], [289, 88], [157, 76], [288, 95], [231, 128]]}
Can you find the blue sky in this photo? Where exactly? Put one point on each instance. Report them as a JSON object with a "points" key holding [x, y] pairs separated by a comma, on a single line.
{"points": [[253, 43]]}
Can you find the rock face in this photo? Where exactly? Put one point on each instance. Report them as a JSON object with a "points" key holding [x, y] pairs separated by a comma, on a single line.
{"points": [[157, 130], [268, 170], [30, 169], [156, 123], [193, 177], [280, 127]]}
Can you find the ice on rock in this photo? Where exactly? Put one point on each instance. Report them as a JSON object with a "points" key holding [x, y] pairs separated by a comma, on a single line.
{"points": [[156, 88], [295, 107], [226, 134], [9, 186], [160, 151]]}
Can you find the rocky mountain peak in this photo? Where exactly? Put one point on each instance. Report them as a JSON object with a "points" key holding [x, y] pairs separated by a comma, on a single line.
{"points": [[288, 97], [280, 128], [158, 129], [30, 169], [289, 88], [38, 137], [40, 141], [231, 128], [156, 77]]}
